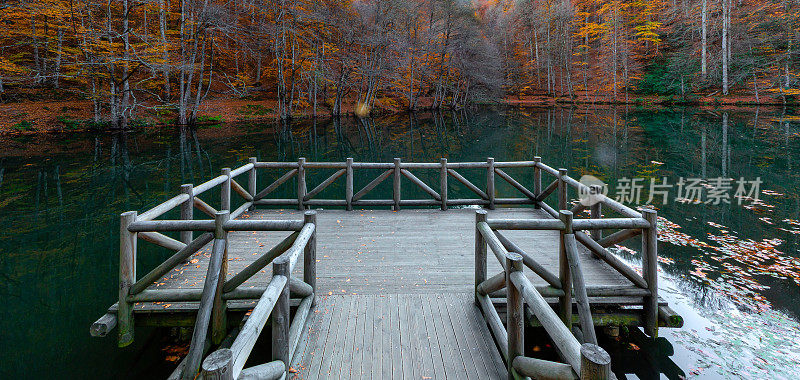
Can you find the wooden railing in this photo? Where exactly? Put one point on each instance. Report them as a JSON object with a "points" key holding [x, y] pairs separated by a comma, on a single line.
{"points": [[485, 196], [217, 289], [582, 358], [273, 300]]}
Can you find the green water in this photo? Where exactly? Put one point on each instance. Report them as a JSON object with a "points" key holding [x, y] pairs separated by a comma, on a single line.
{"points": [[731, 270]]}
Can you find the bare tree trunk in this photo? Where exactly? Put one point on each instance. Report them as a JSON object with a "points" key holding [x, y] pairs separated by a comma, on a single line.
{"points": [[704, 46], [126, 94], [59, 54], [725, 56], [162, 15]]}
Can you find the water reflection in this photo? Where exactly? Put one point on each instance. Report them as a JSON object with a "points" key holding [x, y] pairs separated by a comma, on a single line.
{"points": [[732, 271]]}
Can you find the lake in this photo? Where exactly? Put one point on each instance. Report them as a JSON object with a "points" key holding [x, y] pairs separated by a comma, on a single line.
{"points": [[731, 270]]}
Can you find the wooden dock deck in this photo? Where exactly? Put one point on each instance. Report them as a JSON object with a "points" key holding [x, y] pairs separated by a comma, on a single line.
{"points": [[396, 293]]}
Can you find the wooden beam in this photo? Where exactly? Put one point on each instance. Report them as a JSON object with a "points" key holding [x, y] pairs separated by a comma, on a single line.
{"points": [[274, 185], [650, 271], [490, 181], [187, 212], [324, 184], [443, 183], [348, 192], [171, 262], [579, 290], [396, 184], [204, 207], [547, 191], [566, 343], [543, 369], [260, 263], [162, 240], [194, 356], [281, 315], [251, 330], [537, 268], [301, 182], [515, 184], [611, 260], [493, 284], [467, 183], [372, 184], [515, 318], [491, 240], [162, 208], [241, 191], [127, 277], [618, 237], [421, 184]]}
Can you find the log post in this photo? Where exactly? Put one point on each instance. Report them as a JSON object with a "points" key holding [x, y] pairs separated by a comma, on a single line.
{"points": [[187, 211], [219, 365], [564, 274], [301, 182], [280, 315], [251, 181], [595, 363], [348, 196], [219, 309], [310, 253], [650, 271], [537, 180], [515, 322], [480, 252], [396, 192], [596, 211], [127, 277], [490, 181], [443, 183], [225, 191], [562, 189]]}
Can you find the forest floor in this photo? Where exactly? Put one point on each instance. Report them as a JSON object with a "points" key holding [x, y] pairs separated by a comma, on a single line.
{"points": [[47, 116], [698, 100]]}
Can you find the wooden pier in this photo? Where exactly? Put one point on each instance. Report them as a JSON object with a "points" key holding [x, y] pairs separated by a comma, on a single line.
{"points": [[355, 291]]}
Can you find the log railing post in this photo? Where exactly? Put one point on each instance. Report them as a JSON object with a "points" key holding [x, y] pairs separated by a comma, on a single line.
{"points": [[515, 322], [187, 211], [480, 252], [443, 183], [564, 274], [301, 182], [251, 181], [280, 315], [397, 178], [490, 181], [650, 271], [562, 189], [127, 277], [595, 363], [225, 191], [596, 212], [219, 365], [537, 180], [310, 253], [348, 196], [219, 309]]}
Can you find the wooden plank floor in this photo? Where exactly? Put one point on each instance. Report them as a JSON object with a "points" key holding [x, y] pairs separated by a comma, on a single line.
{"points": [[394, 290], [380, 251], [397, 336]]}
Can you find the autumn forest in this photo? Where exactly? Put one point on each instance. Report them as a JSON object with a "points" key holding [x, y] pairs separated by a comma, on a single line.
{"points": [[126, 58]]}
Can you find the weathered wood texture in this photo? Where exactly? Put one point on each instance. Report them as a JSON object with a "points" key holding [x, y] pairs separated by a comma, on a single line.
{"points": [[399, 336], [380, 251]]}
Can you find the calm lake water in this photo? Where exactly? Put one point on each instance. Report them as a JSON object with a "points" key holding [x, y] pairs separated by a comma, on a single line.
{"points": [[732, 271]]}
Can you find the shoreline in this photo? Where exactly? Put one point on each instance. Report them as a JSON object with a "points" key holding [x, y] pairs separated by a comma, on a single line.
{"points": [[27, 118]]}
